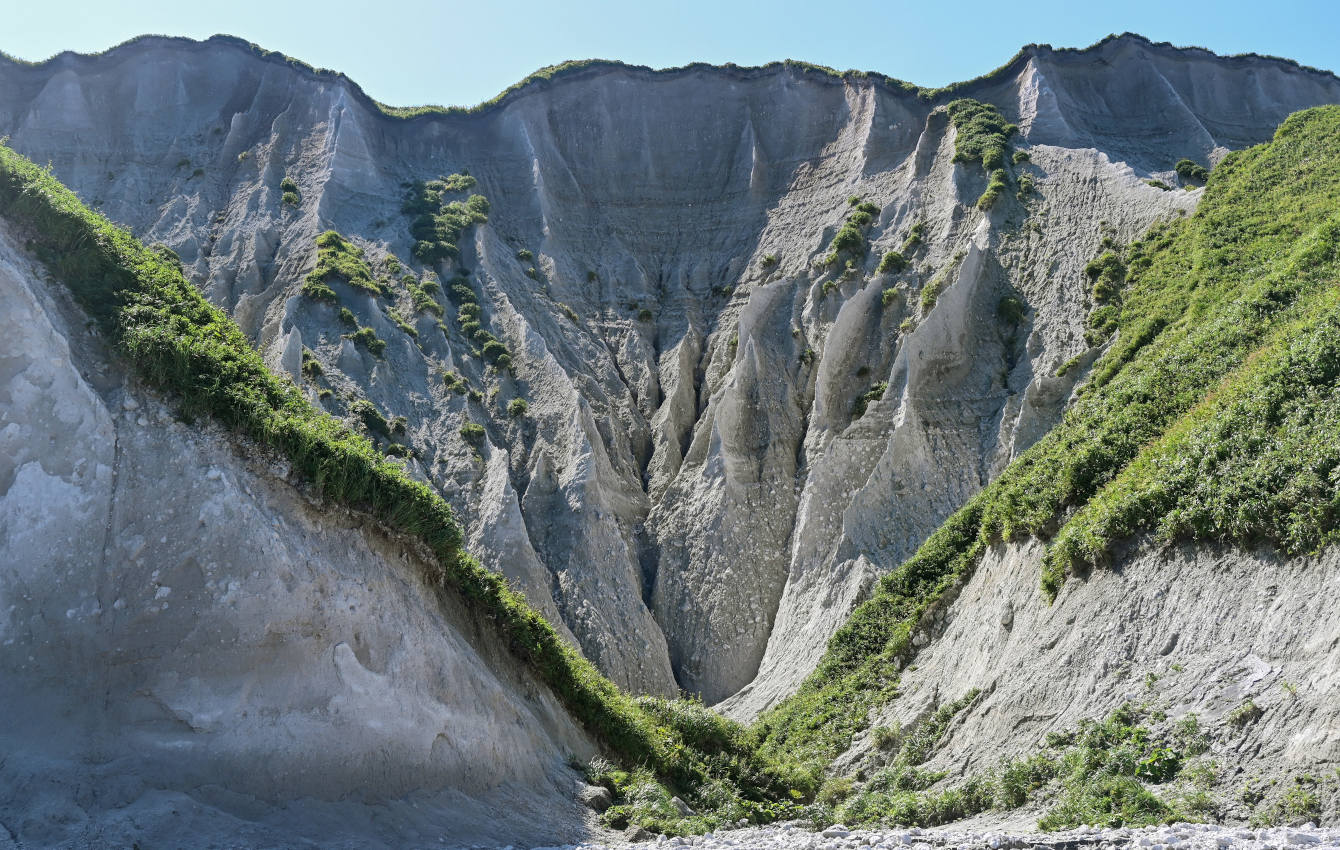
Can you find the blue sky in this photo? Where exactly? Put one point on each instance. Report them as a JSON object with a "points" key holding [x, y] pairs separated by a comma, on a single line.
{"points": [[408, 52]]}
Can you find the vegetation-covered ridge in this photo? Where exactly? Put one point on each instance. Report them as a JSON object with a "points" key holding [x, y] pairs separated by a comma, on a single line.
{"points": [[181, 344], [1213, 414], [583, 67]]}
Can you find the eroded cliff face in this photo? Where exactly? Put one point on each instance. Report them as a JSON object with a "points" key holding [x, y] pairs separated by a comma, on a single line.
{"points": [[691, 493], [191, 652], [1193, 632]]}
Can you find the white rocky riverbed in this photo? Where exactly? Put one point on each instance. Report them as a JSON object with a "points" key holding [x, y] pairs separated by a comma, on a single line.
{"points": [[1173, 837]]}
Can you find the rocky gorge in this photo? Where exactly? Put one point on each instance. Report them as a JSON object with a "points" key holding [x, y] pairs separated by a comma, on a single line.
{"points": [[715, 430]]}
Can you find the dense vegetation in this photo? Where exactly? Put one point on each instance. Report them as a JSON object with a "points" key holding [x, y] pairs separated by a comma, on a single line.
{"points": [[983, 136], [437, 223], [1212, 416]]}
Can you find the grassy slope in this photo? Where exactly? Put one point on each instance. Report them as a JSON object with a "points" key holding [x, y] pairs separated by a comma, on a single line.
{"points": [[183, 345], [1213, 415]]}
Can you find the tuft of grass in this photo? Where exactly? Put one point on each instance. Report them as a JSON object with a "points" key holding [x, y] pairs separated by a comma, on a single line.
{"points": [[338, 259], [1244, 715], [891, 263], [863, 401], [997, 186]]}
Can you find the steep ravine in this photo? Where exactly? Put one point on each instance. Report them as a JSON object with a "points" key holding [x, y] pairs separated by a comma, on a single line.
{"points": [[689, 493]]}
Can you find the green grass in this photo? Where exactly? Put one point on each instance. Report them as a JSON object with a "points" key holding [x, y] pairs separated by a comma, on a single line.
{"points": [[849, 241], [436, 223], [981, 133], [1214, 415], [338, 259], [891, 263], [189, 349], [1117, 771], [875, 393]]}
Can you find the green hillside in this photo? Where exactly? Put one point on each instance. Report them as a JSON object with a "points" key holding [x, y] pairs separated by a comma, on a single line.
{"points": [[1212, 415]]}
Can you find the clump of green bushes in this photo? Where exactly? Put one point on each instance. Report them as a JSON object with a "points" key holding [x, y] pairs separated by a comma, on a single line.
{"points": [[891, 263], [1190, 170], [367, 337], [850, 238], [338, 259], [437, 224], [981, 133]]}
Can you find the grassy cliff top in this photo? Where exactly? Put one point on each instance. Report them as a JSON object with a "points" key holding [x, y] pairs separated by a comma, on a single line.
{"points": [[582, 68]]}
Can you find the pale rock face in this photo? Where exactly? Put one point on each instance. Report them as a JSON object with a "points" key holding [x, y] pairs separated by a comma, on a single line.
{"points": [[1191, 630], [220, 659], [690, 495]]}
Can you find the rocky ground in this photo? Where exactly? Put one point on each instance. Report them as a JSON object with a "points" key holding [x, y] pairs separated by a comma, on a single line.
{"points": [[1181, 836]]}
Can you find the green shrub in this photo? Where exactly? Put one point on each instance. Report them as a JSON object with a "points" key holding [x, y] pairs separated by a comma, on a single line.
{"points": [[1011, 310], [981, 133], [347, 317], [863, 401], [1189, 170], [402, 324], [339, 259], [525, 255], [371, 417], [644, 315], [458, 183], [914, 237], [888, 296], [473, 434], [1159, 184], [1244, 715], [1020, 157], [998, 184], [517, 407], [291, 199], [891, 263], [437, 224], [493, 349], [287, 185], [1025, 187], [850, 237], [368, 338], [768, 261]]}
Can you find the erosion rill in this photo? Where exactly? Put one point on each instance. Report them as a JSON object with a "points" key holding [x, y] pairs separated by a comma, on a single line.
{"points": [[972, 447]]}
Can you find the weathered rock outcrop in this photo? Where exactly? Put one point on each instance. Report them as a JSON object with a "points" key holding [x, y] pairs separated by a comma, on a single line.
{"points": [[192, 653], [1191, 631], [691, 493]]}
